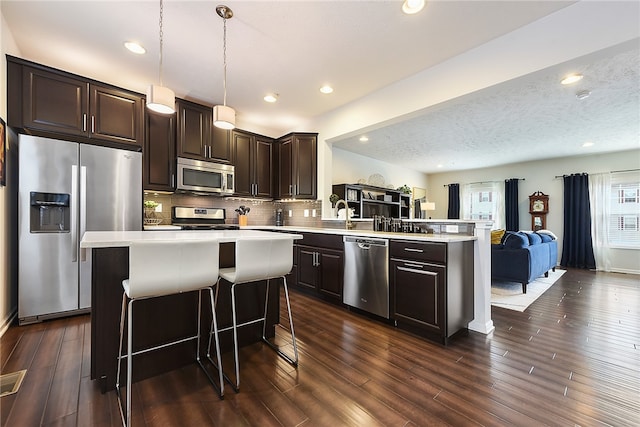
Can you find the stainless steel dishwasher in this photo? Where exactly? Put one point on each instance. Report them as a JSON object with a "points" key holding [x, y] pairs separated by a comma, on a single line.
{"points": [[366, 274]]}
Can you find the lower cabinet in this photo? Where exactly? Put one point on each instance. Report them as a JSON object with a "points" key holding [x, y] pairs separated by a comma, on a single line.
{"points": [[320, 266], [432, 287]]}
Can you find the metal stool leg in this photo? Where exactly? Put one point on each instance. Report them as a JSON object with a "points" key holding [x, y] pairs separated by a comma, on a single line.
{"points": [[236, 354], [213, 330], [293, 361], [122, 319]]}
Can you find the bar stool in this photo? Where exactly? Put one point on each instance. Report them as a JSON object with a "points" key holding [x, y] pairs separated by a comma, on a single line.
{"points": [[257, 260], [165, 267]]}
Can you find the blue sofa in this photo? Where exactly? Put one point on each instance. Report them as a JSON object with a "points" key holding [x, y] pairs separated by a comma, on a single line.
{"points": [[523, 257]]}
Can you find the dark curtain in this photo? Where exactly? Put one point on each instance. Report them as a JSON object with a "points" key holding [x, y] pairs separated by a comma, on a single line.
{"points": [[577, 249], [511, 204], [454, 202]]}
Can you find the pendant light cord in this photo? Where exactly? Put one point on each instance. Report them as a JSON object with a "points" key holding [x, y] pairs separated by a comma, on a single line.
{"points": [[224, 60], [161, 42]]}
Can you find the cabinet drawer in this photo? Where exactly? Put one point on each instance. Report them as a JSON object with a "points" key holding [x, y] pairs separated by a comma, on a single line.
{"points": [[321, 240], [433, 252]]}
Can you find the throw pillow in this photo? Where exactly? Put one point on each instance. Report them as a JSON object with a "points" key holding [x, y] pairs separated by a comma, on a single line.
{"points": [[496, 236], [534, 238], [545, 237], [547, 232], [515, 240]]}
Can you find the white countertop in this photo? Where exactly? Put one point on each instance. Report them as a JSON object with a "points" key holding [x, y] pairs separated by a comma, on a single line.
{"points": [[112, 239], [446, 238]]}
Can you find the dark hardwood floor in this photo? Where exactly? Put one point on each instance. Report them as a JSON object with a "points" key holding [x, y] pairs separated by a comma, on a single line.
{"points": [[572, 358]]}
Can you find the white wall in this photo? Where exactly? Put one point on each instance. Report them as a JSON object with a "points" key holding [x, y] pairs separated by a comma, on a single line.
{"points": [[8, 290], [348, 168], [541, 176]]}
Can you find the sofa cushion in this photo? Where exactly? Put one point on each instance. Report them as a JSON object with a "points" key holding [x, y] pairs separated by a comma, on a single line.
{"points": [[496, 236], [515, 240], [548, 233], [545, 237], [534, 239]]}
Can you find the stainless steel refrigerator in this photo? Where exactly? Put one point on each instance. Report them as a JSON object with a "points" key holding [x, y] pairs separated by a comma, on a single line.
{"points": [[65, 189]]}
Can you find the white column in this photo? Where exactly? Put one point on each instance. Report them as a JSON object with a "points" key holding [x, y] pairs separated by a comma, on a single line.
{"points": [[482, 280]]}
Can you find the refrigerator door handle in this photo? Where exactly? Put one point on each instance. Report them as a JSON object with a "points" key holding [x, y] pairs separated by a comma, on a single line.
{"points": [[83, 209], [74, 213]]}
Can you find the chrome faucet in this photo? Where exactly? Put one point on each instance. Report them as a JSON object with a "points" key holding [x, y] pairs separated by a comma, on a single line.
{"points": [[348, 224]]}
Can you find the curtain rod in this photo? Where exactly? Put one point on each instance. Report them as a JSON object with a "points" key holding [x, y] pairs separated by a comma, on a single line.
{"points": [[487, 182], [620, 171]]}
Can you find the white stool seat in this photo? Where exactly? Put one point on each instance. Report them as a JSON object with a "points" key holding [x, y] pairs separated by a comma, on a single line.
{"points": [[259, 260], [165, 267]]}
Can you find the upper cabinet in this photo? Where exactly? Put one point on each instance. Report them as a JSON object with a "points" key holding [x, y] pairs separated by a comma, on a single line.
{"points": [[197, 138], [52, 101], [159, 152], [297, 166], [253, 160]]}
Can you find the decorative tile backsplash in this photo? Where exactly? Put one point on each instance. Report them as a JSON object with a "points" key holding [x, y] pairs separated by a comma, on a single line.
{"points": [[263, 212]]}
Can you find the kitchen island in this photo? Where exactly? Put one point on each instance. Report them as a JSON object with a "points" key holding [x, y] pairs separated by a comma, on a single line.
{"points": [[164, 319]]}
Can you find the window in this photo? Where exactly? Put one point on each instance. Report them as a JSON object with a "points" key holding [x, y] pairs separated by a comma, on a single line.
{"points": [[624, 210], [484, 201]]}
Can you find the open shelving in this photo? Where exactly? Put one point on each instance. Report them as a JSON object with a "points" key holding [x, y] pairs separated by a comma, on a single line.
{"points": [[367, 200]]}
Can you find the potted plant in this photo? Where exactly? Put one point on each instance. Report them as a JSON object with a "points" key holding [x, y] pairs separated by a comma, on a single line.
{"points": [[405, 189], [150, 212]]}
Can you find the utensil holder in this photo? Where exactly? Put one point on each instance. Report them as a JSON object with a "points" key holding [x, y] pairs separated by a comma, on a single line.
{"points": [[242, 220]]}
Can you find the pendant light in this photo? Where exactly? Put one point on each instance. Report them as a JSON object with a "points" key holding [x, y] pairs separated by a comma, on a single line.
{"points": [[161, 99], [224, 117]]}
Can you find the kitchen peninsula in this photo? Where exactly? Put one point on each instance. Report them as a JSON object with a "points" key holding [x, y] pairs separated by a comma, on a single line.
{"points": [[167, 318]]}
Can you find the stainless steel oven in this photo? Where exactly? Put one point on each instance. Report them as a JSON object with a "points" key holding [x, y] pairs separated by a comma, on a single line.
{"points": [[204, 177]]}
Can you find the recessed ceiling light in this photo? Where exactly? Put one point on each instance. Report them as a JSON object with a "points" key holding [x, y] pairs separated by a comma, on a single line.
{"points": [[364, 138], [583, 94], [440, 165], [326, 89], [588, 144], [571, 78], [412, 6], [135, 47], [271, 97]]}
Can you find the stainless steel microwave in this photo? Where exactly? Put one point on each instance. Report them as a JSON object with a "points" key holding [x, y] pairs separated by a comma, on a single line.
{"points": [[204, 177]]}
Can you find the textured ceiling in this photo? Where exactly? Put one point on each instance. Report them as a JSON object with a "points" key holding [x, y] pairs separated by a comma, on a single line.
{"points": [[529, 118]]}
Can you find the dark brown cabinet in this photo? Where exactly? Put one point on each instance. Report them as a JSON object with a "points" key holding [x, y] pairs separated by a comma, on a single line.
{"points": [[197, 138], [417, 290], [297, 166], [320, 266], [253, 160], [57, 102], [159, 156], [431, 286]]}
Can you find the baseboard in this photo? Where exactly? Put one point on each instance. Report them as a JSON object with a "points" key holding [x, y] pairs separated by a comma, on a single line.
{"points": [[7, 322], [624, 271]]}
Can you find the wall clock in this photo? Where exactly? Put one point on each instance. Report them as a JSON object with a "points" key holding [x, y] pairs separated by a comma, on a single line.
{"points": [[538, 208]]}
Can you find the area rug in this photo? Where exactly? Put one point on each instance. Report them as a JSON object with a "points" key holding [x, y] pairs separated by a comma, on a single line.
{"points": [[509, 294]]}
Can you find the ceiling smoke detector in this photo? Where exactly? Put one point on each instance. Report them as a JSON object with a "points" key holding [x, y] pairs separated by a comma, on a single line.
{"points": [[583, 94]]}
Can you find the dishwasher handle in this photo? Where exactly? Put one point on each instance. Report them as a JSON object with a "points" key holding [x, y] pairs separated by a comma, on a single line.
{"points": [[365, 242]]}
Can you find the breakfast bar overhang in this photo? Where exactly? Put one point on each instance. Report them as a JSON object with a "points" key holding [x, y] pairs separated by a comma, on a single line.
{"points": [[167, 318]]}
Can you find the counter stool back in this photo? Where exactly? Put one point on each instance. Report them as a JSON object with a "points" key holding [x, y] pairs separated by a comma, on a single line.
{"points": [[165, 267], [258, 260]]}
